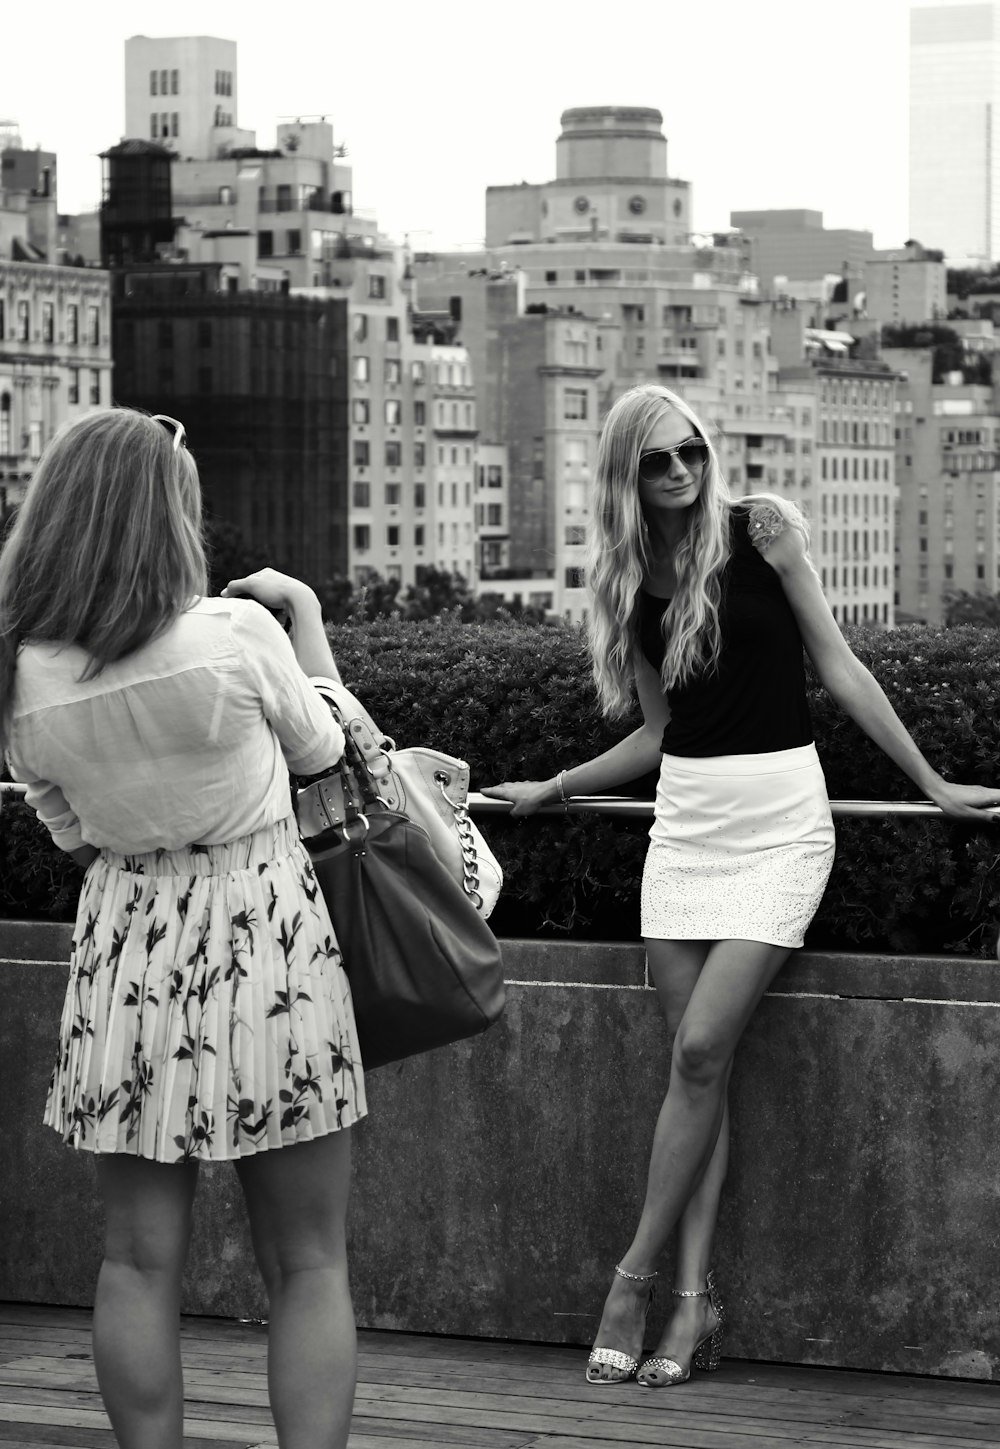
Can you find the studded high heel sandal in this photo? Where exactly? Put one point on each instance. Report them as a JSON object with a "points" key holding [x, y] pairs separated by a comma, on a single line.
{"points": [[615, 1357], [707, 1351]]}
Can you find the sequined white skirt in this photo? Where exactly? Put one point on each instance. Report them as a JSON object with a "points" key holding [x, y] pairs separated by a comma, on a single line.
{"points": [[740, 849]]}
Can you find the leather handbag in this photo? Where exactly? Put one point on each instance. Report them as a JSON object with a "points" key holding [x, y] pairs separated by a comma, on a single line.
{"points": [[424, 967], [428, 786]]}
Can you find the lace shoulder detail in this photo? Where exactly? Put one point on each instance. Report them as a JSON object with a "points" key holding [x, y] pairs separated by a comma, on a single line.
{"points": [[764, 525]]}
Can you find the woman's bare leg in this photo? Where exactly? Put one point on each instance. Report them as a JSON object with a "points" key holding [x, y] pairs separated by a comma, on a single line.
{"points": [[137, 1351], [297, 1201], [729, 986]]}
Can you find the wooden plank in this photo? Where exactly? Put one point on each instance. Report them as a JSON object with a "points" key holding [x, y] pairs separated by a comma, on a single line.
{"points": [[215, 1432], [723, 1394], [627, 1423], [41, 1436]]}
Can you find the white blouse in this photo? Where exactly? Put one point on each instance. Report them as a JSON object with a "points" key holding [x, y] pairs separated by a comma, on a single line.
{"points": [[185, 741]]}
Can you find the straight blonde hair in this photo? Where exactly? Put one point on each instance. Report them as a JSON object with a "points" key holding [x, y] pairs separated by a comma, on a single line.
{"points": [[619, 555], [107, 547]]}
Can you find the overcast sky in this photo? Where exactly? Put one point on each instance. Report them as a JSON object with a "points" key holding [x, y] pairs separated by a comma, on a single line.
{"points": [[766, 103]]}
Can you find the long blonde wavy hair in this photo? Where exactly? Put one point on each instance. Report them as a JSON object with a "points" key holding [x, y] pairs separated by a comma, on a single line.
{"points": [[107, 546], [619, 554]]}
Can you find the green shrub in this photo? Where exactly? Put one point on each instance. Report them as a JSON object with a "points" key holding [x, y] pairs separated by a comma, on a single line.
{"points": [[517, 702]]}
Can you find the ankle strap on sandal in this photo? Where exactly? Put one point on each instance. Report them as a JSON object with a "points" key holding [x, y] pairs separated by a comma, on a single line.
{"points": [[686, 1293], [635, 1277]]}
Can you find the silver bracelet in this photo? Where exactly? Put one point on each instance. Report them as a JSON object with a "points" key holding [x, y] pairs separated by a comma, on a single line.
{"points": [[560, 786]]}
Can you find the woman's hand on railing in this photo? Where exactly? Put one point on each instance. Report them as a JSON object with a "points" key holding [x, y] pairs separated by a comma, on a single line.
{"points": [[527, 795], [967, 802]]}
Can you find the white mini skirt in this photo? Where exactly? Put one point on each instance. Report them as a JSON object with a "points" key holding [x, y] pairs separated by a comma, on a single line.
{"points": [[741, 848]]}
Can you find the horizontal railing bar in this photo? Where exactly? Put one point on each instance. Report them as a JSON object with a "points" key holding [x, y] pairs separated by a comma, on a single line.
{"points": [[619, 807], [616, 805]]}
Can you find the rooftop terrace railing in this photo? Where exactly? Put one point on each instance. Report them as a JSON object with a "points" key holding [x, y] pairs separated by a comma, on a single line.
{"points": [[622, 807]]}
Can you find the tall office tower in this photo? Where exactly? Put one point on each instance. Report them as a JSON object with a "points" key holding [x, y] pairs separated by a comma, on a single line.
{"points": [[955, 130]]}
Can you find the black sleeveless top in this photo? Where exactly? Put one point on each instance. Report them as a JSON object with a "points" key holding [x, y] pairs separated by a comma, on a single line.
{"points": [[755, 702]]}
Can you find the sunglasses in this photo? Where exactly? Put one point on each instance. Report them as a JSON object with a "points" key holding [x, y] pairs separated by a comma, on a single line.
{"points": [[655, 465], [178, 428]]}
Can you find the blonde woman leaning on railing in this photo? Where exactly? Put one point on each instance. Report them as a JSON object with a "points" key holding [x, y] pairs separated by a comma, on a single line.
{"points": [[705, 605]]}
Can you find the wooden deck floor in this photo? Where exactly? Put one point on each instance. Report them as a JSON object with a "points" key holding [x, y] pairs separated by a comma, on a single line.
{"points": [[460, 1394]]}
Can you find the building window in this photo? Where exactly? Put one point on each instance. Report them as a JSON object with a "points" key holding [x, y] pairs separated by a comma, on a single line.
{"points": [[265, 243], [392, 329], [48, 322], [392, 535], [174, 123], [575, 532], [494, 476], [494, 517], [204, 333], [361, 494], [154, 125], [362, 453], [165, 336], [417, 372], [73, 393], [393, 493], [72, 324], [419, 455], [24, 321], [574, 578], [95, 386], [361, 411], [393, 412], [284, 197], [420, 495], [295, 243], [362, 537], [419, 414], [376, 285], [418, 536], [175, 82], [225, 196], [392, 369], [153, 90], [359, 328], [361, 369], [393, 454], [575, 403]]}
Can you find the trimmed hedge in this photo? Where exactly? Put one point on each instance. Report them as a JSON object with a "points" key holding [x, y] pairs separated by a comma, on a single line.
{"points": [[516, 701]]}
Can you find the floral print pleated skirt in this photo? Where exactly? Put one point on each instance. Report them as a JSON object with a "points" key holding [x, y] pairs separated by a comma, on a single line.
{"points": [[208, 1015]]}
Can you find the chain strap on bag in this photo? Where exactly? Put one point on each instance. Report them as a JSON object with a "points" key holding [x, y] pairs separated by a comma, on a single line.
{"points": [[428, 786]]}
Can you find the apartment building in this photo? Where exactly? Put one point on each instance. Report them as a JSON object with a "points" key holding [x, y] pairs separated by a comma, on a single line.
{"points": [[454, 432], [492, 515], [906, 286], [260, 381], [295, 198], [55, 325], [182, 91], [795, 246], [948, 506]]}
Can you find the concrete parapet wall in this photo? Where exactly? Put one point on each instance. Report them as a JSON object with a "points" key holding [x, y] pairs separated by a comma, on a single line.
{"points": [[497, 1181]]}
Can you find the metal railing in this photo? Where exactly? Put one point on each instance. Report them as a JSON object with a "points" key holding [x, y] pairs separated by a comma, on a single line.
{"points": [[618, 807], [626, 809]]}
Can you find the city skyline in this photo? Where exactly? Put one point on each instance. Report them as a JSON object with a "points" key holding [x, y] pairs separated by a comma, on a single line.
{"points": [[816, 96]]}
